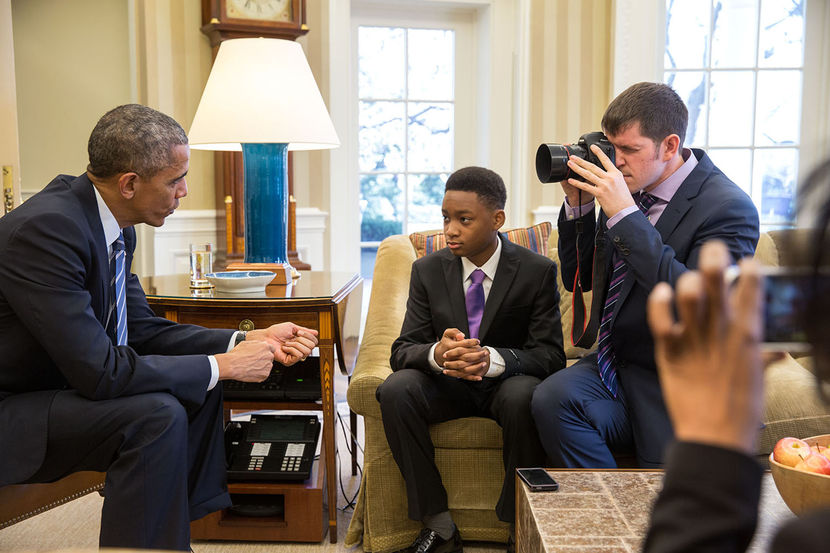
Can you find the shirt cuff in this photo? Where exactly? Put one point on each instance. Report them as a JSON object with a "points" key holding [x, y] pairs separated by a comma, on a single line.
{"points": [[214, 372], [232, 342], [620, 214], [431, 358], [497, 364], [572, 213]]}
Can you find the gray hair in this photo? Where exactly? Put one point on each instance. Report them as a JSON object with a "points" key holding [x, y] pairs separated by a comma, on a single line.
{"points": [[133, 138]]}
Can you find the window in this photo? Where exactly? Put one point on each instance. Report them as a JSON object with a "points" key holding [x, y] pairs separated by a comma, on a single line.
{"points": [[738, 65], [406, 114]]}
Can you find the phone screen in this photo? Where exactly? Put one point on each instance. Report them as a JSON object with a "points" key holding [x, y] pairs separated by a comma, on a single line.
{"points": [[784, 296], [538, 479], [786, 293]]}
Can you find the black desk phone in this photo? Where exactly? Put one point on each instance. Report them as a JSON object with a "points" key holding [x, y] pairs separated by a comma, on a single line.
{"points": [[271, 447]]}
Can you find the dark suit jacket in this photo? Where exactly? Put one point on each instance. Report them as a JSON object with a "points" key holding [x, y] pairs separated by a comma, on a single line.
{"points": [[706, 206], [54, 297], [709, 502], [521, 316]]}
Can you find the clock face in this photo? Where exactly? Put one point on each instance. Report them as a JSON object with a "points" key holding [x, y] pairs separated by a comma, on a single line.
{"points": [[262, 10]]}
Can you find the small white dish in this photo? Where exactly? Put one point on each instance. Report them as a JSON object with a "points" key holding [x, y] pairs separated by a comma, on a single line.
{"points": [[239, 282]]}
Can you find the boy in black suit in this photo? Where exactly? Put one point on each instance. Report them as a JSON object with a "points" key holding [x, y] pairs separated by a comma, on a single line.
{"points": [[482, 329]]}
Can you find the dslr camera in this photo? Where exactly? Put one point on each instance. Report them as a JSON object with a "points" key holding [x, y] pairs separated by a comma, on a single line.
{"points": [[552, 159]]}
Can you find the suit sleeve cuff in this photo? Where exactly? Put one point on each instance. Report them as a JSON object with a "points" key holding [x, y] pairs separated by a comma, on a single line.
{"points": [[619, 216]]}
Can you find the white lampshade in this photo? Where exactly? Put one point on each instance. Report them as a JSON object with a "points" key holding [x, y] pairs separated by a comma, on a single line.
{"points": [[261, 90]]}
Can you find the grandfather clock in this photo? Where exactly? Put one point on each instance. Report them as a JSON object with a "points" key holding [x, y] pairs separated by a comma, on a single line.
{"points": [[221, 20]]}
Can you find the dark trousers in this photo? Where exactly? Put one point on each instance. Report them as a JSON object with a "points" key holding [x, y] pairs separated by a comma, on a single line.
{"points": [[165, 466], [411, 400], [580, 423]]}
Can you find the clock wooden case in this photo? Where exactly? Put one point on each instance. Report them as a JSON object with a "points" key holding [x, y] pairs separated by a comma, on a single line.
{"points": [[224, 19]]}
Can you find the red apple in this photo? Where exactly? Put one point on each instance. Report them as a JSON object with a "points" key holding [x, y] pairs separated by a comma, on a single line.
{"points": [[815, 463], [790, 451]]}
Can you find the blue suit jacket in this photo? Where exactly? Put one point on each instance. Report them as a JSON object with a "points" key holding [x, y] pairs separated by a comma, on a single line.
{"points": [[54, 297], [706, 206]]}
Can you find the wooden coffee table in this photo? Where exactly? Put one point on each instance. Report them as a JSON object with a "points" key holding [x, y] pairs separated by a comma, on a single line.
{"points": [[604, 511]]}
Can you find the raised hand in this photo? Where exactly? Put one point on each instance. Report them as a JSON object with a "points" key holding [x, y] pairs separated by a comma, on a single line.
{"points": [[605, 183], [709, 360]]}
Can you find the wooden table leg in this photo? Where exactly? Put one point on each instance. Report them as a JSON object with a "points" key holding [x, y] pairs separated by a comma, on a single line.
{"points": [[326, 346]]}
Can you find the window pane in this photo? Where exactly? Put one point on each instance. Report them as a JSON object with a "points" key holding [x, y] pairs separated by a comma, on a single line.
{"points": [[735, 164], [381, 136], [730, 113], [782, 33], [431, 64], [430, 137], [380, 63], [778, 111], [426, 193], [734, 33], [775, 170], [367, 261], [687, 34], [381, 206], [691, 87]]}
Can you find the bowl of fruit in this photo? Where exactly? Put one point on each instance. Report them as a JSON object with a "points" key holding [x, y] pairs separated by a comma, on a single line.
{"points": [[801, 471]]}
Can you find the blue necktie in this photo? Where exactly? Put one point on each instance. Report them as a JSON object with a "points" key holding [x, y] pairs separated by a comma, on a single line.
{"points": [[605, 355], [117, 258], [475, 302]]}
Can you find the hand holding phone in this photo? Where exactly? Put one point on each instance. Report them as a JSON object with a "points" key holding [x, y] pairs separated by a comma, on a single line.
{"points": [[538, 480], [786, 290]]}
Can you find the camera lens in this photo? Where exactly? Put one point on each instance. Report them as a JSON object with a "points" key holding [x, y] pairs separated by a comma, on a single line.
{"points": [[552, 161]]}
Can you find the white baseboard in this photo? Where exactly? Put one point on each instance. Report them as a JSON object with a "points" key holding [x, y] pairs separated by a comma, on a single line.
{"points": [[171, 242]]}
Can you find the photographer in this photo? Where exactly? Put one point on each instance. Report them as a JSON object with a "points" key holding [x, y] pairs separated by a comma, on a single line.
{"points": [[659, 203], [711, 374]]}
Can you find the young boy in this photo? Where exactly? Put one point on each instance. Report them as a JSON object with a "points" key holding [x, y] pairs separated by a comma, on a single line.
{"points": [[481, 330]]}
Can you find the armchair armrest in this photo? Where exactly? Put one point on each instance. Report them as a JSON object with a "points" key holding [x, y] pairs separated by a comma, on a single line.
{"points": [[387, 307]]}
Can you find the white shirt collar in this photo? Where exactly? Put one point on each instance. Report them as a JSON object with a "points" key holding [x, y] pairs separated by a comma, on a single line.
{"points": [[489, 266], [111, 228]]}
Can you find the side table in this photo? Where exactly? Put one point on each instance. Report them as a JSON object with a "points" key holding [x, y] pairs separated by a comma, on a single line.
{"points": [[329, 302]]}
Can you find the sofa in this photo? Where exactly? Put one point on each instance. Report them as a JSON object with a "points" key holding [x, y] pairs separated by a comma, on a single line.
{"points": [[468, 451]]}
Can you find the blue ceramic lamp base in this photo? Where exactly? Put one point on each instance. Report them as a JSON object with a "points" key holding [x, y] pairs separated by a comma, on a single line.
{"points": [[266, 211]]}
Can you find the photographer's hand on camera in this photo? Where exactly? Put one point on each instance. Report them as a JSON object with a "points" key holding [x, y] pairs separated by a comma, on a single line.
{"points": [[606, 185]]}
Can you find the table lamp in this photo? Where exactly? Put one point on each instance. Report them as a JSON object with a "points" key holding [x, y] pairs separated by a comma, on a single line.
{"points": [[261, 98]]}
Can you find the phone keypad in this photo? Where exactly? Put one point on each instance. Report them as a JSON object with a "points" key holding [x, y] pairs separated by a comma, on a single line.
{"points": [[290, 464], [256, 463]]}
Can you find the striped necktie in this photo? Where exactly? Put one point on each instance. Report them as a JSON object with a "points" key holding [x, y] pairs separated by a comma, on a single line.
{"points": [[605, 355], [119, 295]]}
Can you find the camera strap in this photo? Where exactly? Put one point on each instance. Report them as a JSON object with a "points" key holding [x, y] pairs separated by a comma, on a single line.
{"points": [[585, 326]]}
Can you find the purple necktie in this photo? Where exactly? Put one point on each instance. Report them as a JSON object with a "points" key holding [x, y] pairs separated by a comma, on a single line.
{"points": [[475, 302], [605, 355]]}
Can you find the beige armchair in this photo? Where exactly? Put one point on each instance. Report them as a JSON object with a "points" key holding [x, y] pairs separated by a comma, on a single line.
{"points": [[468, 451]]}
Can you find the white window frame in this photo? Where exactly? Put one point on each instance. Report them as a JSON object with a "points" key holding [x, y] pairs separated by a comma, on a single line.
{"points": [[639, 47], [498, 78], [464, 121]]}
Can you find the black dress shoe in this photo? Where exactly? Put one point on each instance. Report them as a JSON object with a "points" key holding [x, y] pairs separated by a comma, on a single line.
{"points": [[428, 541]]}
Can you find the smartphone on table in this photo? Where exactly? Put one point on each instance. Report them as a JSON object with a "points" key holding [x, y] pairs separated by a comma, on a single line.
{"points": [[538, 479]]}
